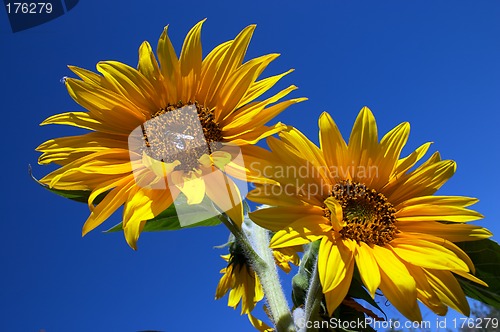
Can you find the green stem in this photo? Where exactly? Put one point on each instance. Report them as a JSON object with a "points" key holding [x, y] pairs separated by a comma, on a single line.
{"points": [[314, 297], [269, 278], [265, 268], [241, 238]]}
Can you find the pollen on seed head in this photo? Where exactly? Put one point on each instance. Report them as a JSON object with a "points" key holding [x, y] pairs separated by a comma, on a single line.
{"points": [[369, 217], [183, 132]]}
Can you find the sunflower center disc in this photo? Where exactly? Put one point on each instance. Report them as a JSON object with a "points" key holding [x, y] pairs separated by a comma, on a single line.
{"points": [[183, 132], [369, 217]]}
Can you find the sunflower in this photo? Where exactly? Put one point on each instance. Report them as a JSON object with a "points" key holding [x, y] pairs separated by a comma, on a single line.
{"points": [[164, 128], [372, 211], [240, 280]]}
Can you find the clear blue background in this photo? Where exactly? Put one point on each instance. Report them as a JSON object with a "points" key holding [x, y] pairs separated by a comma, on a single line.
{"points": [[434, 64]]}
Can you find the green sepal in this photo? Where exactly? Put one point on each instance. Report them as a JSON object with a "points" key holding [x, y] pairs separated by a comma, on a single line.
{"points": [[485, 254], [300, 282], [358, 291]]}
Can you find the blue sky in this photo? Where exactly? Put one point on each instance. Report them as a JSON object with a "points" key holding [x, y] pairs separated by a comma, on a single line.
{"points": [[434, 64]]}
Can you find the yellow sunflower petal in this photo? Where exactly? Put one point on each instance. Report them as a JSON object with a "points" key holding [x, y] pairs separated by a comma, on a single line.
{"points": [[169, 65], [409, 237], [363, 144], [334, 261], [424, 181], [448, 290], [191, 184], [427, 254], [451, 232], [158, 168], [232, 60], [258, 88], [425, 292], [259, 325], [236, 294], [142, 205], [390, 149], [190, 64], [307, 176], [470, 277], [252, 136], [302, 231], [209, 69], [226, 195], [130, 83], [86, 121], [403, 165], [332, 144], [220, 159], [396, 283], [256, 161], [106, 105], [232, 124], [62, 150], [274, 195], [368, 268], [306, 148], [106, 186], [336, 217], [91, 165], [277, 218], [284, 256], [334, 297], [113, 200], [238, 84], [226, 282], [429, 212], [148, 66], [77, 181], [256, 117], [457, 201], [90, 77]]}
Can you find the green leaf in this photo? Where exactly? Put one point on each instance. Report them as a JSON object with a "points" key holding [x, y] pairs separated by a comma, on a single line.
{"points": [[358, 291], [81, 196], [169, 221], [486, 257]]}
